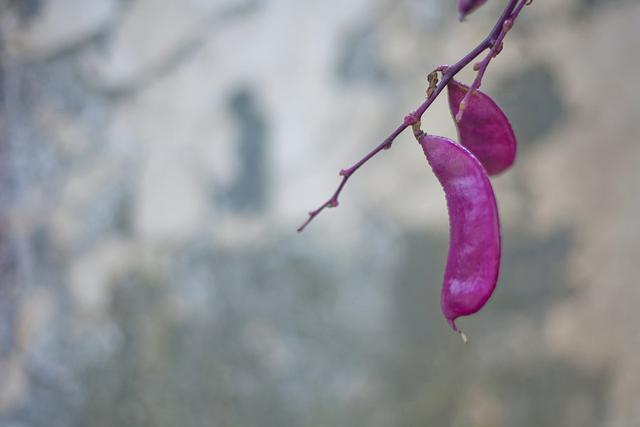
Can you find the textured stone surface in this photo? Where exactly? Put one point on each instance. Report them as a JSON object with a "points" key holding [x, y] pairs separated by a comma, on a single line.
{"points": [[49, 27]]}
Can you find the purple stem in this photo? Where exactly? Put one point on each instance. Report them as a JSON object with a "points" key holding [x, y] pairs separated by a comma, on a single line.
{"points": [[447, 74], [496, 47]]}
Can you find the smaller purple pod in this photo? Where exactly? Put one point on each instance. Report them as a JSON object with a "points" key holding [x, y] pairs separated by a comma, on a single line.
{"points": [[465, 7], [473, 262], [484, 129]]}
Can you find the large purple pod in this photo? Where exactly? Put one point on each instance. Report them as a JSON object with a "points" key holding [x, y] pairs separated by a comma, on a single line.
{"points": [[465, 7], [483, 128], [473, 261]]}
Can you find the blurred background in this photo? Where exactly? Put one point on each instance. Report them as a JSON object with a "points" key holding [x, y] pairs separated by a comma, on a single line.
{"points": [[156, 157]]}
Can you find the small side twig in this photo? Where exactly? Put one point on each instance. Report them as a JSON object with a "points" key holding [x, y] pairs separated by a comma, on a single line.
{"points": [[496, 48]]}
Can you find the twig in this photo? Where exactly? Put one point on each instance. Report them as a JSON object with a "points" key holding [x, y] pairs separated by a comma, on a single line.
{"points": [[496, 48], [511, 10]]}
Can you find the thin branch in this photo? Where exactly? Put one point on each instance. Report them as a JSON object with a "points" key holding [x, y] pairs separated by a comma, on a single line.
{"points": [[448, 72]]}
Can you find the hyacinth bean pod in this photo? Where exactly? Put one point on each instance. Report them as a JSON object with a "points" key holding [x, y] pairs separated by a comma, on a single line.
{"points": [[465, 7], [483, 128], [473, 261]]}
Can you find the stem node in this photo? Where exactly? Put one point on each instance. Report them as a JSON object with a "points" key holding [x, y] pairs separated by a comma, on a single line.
{"points": [[410, 119]]}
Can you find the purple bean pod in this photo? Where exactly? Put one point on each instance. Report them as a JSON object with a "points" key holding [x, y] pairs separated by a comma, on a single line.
{"points": [[473, 262], [483, 128], [465, 7]]}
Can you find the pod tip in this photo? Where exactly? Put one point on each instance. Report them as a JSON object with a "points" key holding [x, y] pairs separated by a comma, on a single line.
{"points": [[452, 323]]}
